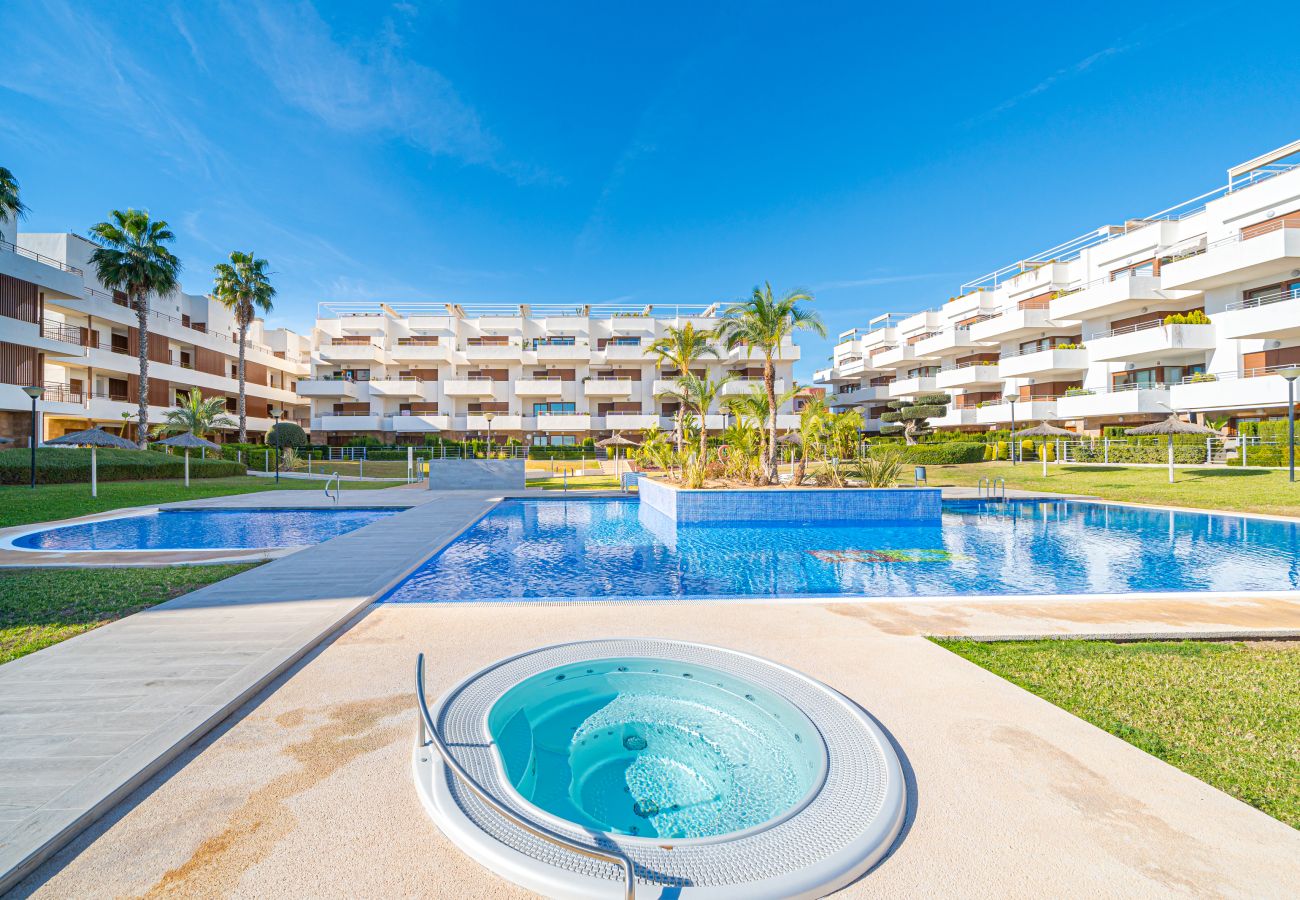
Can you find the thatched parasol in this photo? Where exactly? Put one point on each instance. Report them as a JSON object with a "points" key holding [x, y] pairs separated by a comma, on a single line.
{"points": [[1043, 429], [790, 437], [189, 440], [616, 441], [94, 438], [1171, 426]]}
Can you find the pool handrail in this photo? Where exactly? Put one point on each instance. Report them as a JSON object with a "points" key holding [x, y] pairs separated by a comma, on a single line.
{"points": [[337, 480], [429, 736]]}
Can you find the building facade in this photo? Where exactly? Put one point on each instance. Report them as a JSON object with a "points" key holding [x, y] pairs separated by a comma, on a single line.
{"points": [[63, 330], [405, 372], [1195, 309]]}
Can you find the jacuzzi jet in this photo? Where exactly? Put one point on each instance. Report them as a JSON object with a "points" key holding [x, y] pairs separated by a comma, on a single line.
{"points": [[634, 742], [645, 808]]}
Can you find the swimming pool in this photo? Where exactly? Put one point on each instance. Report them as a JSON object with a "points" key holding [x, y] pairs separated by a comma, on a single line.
{"points": [[655, 748], [204, 529], [540, 550]]}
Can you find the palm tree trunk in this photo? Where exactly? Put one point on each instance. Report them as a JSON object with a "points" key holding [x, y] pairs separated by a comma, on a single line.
{"points": [[704, 436], [801, 466], [243, 402], [142, 410], [679, 427], [769, 385]]}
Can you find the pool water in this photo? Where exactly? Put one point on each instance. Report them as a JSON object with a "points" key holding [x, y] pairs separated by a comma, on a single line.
{"points": [[206, 529], [615, 549], [654, 748]]}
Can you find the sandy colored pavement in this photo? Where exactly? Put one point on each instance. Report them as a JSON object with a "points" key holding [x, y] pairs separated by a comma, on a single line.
{"points": [[308, 794]]}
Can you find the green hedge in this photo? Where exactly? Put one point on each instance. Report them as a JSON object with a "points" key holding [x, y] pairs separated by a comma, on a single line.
{"points": [[1139, 453], [1266, 455], [68, 466], [948, 453]]}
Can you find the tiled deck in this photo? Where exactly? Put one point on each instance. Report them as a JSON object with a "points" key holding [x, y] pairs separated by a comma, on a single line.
{"points": [[87, 720]]}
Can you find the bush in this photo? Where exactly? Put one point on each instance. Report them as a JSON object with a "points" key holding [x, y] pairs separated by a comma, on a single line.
{"points": [[1195, 317], [70, 466], [287, 435], [365, 440], [948, 453], [1139, 453]]}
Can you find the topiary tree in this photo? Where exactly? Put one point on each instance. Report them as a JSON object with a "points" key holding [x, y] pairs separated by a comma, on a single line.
{"points": [[286, 436], [910, 418]]}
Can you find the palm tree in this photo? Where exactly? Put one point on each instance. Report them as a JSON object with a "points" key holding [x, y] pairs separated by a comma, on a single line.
{"points": [[131, 257], [10, 203], [699, 394], [194, 414], [761, 323], [812, 424], [244, 287], [680, 349], [756, 407]]}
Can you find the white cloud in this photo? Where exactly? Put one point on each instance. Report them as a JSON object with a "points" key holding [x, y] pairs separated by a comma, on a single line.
{"points": [[1062, 74], [875, 280]]}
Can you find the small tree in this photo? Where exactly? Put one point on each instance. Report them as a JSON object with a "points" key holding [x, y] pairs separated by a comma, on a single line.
{"points": [[910, 418], [286, 436]]}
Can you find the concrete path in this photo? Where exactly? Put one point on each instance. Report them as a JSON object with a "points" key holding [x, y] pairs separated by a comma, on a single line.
{"points": [[86, 721], [310, 793]]}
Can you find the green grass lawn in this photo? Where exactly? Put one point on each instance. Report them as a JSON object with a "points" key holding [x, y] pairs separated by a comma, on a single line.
{"points": [[20, 505], [1228, 713], [577, 483], [40, 607], [1249, 490]]}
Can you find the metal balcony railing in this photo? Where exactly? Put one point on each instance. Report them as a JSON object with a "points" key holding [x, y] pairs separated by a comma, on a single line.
{"points": [[40, 258]]}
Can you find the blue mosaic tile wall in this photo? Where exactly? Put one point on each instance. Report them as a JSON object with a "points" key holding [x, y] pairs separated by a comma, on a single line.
{"points": [[792, 505]]}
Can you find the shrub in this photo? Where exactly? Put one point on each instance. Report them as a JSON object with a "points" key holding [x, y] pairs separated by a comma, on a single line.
{"points": [[70, 466], [1194, 317], [286, 436], [949, 453], [989, 452], [365, 440]]}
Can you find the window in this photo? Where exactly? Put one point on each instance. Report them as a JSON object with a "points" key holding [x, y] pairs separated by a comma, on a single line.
{"points": [[625, 341], [554, 440], [542, 409]]}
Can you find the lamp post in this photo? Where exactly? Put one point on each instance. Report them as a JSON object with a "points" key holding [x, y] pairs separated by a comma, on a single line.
{"points": [[1290, 375], [275, 412], [1012, 401], [34, 392], [488, 417]]}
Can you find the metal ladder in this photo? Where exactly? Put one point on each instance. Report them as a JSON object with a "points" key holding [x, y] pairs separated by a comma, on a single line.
{"points": [[994, 489], [338, 487]]}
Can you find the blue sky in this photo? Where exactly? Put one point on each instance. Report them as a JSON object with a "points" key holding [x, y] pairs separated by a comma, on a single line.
{"points": [[612, 152]]}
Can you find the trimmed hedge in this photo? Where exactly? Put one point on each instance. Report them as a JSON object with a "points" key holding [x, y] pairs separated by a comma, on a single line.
{"points": [[69, 466], [947, 453], [1187, 454]]}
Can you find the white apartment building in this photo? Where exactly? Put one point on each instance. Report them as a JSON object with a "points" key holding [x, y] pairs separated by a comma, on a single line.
{"points": [[404, 372], [1077, 334], [60, 328]]}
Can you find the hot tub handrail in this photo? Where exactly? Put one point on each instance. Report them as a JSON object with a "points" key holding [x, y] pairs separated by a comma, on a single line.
{"points": [[429, 735]]}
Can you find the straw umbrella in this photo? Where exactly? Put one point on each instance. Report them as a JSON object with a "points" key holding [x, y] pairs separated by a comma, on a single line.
{"points": [[188, 439], [1044, 429], [792, 439], [94, 438], [616, 441], [1171, 426]]}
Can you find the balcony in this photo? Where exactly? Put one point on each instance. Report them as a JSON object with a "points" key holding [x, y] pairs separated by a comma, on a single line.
{"points": [[787, 421], [468, 387], [1262, 251], [862, 394], [539, 387], [1043, 362], [1125, 400], [1013, 323], [945, 343], [355, 422], [370, 352], [493, 352], [738, 387], [969, 375], [1109, 298], [1033, 410], [894, 357], [331, 388], [576, 352], [500, 422], [607, 387], [420, 352], [1274, 316], [614, 352], [908, 387], [1151, 340], [28, 265], [631, 421], [423, 422], [1252, 389], [956, 418], [406, 386], [551, 422]]}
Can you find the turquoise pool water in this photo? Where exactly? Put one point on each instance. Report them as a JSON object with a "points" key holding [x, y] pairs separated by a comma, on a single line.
{"points": [[617, 550], [655, 748]]}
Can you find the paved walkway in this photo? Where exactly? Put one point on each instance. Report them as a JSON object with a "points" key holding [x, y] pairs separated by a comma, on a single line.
{"points": [[310, 793], [86, 721]]}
